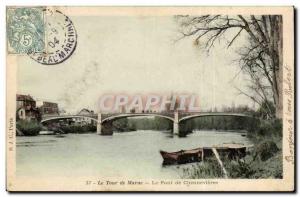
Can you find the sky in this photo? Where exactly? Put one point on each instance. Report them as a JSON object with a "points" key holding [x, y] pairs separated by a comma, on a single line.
{"points": [[134, 55]]}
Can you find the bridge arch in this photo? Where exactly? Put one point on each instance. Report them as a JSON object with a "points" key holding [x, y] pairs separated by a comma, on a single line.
{"points": [[47, 119], [119, 116], [213, 114]]}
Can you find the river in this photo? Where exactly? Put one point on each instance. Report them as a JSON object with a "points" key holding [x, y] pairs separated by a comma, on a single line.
{"points": [[128, 154]]}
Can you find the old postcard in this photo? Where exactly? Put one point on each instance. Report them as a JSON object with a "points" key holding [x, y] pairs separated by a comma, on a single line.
{"points": [[150, 98]]}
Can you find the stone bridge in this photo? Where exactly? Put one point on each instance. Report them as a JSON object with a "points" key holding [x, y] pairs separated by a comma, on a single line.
{"points": [[175, 117]]}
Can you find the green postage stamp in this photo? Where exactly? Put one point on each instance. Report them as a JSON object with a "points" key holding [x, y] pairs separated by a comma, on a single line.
{"points": [[25, 30], [46, 35]]}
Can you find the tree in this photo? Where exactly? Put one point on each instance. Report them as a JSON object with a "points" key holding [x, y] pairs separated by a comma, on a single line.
{"points": [[261, 57], [266, 110]]}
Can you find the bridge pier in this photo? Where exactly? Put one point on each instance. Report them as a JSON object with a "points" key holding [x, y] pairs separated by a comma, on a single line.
{"points": [[103, 128], [99, 125], [176, 124]]}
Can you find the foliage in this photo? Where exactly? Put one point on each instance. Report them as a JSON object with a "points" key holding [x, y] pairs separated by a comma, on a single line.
{"points": [[265, 161], [267, 128], [239, 169], [120, 125], [277, 127], [219, 123], [78, 129], [271, 168], [208, 169], [133, 124], [266, 150], [29, 128], [266, 110]]}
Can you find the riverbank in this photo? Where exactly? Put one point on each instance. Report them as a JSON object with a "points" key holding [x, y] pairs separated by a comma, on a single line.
{"points": [[251, 167], [28, 128], [33, 128], [263, 161]]}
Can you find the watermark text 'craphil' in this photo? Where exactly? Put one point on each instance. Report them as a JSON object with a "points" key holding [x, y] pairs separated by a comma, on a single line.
{"points": [[148, 103]]}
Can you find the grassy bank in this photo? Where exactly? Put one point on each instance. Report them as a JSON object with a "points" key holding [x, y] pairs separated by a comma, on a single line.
{"points": [[263, 161], [33, 128], [29, 128]]}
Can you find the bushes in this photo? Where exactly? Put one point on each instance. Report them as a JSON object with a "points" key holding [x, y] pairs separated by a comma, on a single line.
{"points": [[32, 128], [29, 128], [239, 168], [208, 169], [90, 128], [277, 126], [157, 123], [265, 161], [270, 128], [265, 128], [78, 129], [266, 150]]}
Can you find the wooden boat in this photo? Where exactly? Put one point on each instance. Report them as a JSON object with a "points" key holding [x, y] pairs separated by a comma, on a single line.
{"points": [[183, 156], [229, 151]]}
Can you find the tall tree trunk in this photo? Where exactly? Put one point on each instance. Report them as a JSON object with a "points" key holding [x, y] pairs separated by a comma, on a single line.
{"points": [[276, 60]]}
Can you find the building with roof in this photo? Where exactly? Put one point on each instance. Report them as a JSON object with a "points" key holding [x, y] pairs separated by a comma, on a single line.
{"points": [[48, 108], [26, 108]]}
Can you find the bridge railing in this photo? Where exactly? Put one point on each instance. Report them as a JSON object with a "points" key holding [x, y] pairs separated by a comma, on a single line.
{"points": [[103, 116], [67, 115], [168, 114]]}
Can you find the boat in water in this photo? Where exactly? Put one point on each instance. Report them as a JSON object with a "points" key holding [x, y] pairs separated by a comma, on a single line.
{"points": [[230, 151], [182, 157], [46, 132]]}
